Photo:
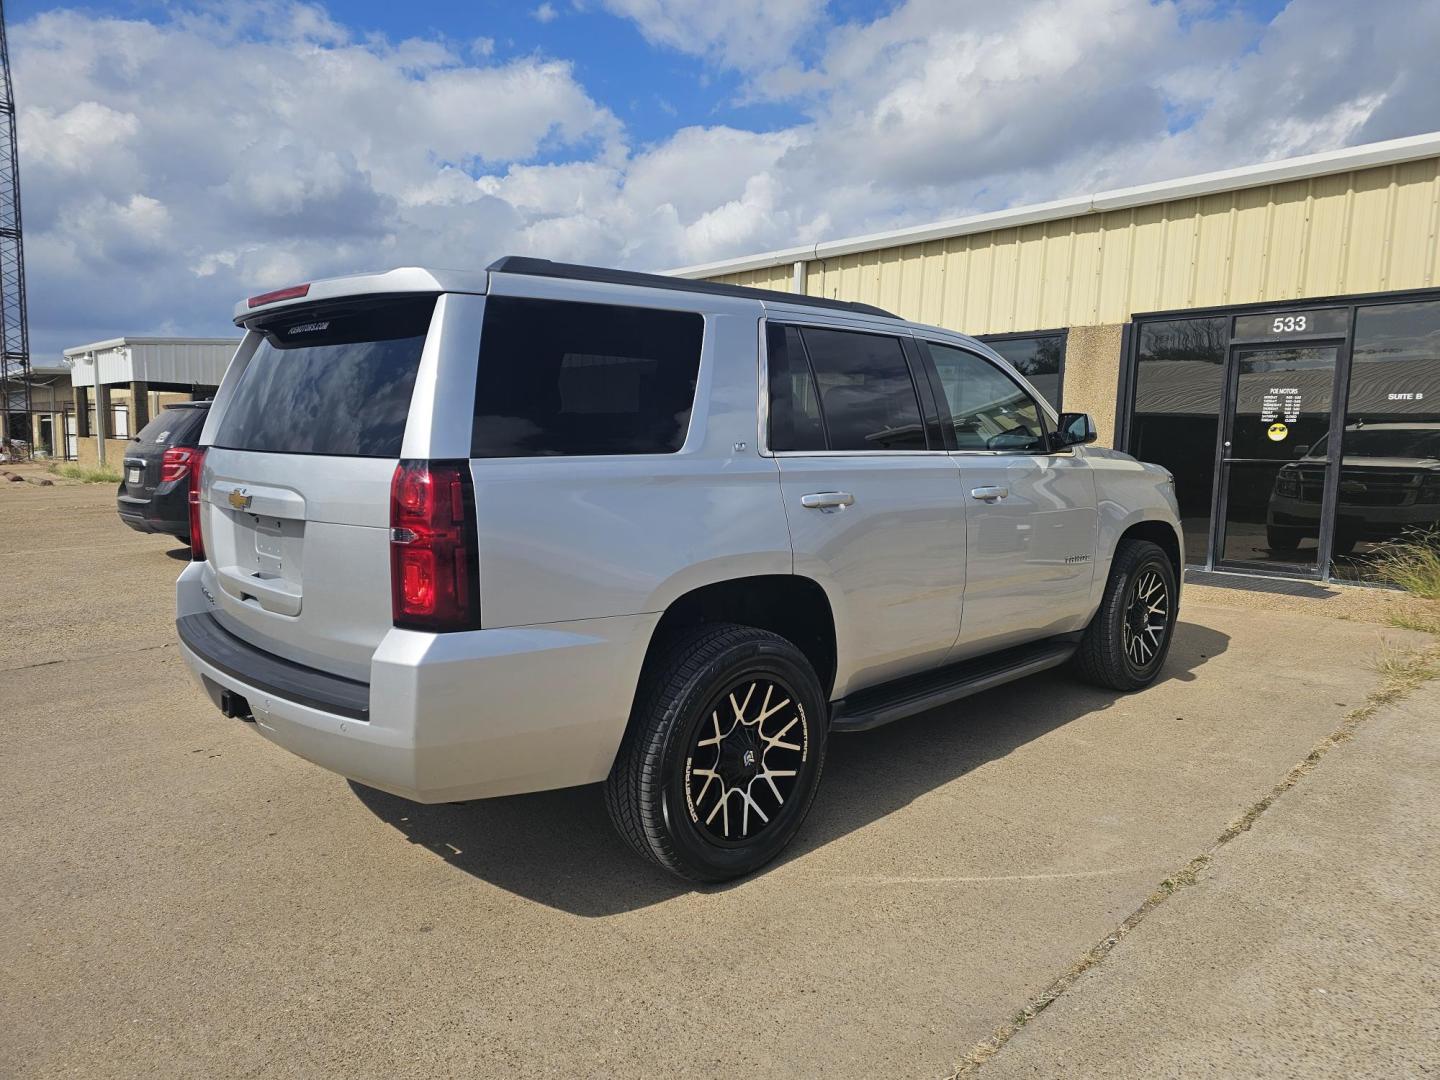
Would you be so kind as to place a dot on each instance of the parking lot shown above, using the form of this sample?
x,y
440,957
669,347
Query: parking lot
x,y
182,898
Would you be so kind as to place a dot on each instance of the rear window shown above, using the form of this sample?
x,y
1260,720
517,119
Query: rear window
x,y
564,378
330,380
173,427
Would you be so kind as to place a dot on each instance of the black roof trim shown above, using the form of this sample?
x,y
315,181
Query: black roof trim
x,y
521,264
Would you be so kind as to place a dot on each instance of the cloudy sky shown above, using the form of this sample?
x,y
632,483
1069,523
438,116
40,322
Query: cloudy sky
x,y
177,156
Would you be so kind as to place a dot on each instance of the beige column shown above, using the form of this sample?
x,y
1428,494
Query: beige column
x,y
1092,375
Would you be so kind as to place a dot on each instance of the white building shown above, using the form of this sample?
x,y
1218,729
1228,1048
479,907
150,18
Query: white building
x,y
118,385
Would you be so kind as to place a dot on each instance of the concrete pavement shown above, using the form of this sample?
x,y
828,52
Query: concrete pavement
x,y
183,898
1310,946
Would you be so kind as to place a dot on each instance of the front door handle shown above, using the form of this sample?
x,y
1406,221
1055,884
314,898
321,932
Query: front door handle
x,y
990,494
827,500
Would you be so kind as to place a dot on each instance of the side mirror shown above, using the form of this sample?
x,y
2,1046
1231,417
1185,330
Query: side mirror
x,y
1073,429
1012,440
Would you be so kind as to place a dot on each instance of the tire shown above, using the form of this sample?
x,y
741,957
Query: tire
x,y
1279,538
1115,653
674,792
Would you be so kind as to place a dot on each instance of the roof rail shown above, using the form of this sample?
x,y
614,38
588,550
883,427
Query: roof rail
x,y
521,264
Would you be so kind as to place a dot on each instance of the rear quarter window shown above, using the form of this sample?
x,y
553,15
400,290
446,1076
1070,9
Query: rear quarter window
x,y
330,380
566,378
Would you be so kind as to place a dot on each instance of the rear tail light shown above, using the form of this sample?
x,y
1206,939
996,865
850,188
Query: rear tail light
x,y
434,579
197,538
294,292
176,463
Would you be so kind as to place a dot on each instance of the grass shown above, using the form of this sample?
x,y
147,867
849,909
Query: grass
x,y
1423,621
86,474
1402,671
1413,563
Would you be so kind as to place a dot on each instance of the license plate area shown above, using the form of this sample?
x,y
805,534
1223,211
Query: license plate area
x,y
134,475
270,546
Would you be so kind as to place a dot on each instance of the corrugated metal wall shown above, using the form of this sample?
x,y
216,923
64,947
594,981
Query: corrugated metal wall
x,y
770,277
186,362
199,363
1371,230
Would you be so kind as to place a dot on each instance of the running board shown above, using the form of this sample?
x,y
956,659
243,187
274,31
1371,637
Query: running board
x,y
896,700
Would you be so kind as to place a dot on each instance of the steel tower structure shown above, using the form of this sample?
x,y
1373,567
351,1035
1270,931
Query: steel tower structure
x,y
14,334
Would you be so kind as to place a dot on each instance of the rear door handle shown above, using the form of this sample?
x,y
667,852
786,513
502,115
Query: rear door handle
x,y
990,494
827,500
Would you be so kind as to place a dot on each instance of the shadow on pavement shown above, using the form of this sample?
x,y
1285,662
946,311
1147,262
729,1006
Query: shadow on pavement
x,y
557,847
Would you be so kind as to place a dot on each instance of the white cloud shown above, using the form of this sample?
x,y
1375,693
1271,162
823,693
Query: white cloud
x,y
545,13
170,168
744,34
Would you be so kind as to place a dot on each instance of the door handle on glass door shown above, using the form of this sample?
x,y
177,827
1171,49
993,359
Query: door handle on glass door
x,y
990,494
827,500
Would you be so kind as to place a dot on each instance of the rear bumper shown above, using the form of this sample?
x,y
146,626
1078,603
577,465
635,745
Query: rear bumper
x,y
165,511
446,717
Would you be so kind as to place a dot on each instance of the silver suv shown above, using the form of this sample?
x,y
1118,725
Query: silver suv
x,y
460,535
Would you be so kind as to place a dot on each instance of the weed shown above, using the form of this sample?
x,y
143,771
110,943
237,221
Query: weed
x,y
1405,669
1425,621
1412,562
86,474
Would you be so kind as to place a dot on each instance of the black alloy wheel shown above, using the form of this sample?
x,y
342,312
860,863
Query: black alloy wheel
x,y
746,761
1126,643
723,755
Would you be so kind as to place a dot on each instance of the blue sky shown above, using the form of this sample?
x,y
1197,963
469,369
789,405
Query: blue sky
x,y
175,156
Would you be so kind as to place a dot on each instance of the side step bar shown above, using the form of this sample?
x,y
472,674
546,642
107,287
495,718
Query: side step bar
x,y
877,705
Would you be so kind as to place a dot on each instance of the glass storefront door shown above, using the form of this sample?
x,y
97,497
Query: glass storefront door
x,y
1276,457
1304,441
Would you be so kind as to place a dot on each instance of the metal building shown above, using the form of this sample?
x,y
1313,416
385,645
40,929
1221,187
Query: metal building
x,y
118,385
1271,334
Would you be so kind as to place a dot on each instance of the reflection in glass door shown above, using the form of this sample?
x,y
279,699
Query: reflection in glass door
x,y
1276,457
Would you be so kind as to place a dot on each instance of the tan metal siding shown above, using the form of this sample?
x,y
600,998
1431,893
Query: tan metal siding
x,y
1371,230
773,277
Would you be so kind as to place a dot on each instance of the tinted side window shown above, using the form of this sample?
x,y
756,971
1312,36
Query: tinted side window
x,y
558,378
794,401
989,409
330,380
866,394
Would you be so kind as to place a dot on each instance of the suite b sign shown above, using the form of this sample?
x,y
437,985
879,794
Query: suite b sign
x,y
1317,322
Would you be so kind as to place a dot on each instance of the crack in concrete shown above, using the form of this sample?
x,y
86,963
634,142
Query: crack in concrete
x,y
87,659
1396,686
985,879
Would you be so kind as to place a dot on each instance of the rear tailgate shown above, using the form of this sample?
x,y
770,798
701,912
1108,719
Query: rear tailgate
x,y
144,453
296,492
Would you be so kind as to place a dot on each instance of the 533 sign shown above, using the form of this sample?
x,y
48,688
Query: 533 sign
x,y
1317,322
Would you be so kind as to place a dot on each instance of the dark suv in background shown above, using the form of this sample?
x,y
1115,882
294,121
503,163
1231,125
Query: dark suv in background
x,y
154,494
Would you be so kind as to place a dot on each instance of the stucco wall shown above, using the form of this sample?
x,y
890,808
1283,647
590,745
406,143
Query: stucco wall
x,y
1092,374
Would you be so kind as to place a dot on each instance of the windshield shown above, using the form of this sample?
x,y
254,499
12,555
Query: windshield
x,y
1393,442
330,380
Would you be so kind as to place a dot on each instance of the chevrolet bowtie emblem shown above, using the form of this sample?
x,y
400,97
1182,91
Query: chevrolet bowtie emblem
x,y
239,499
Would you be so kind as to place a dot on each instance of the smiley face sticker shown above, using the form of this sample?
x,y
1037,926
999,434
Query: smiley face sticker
x,y
1277,432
